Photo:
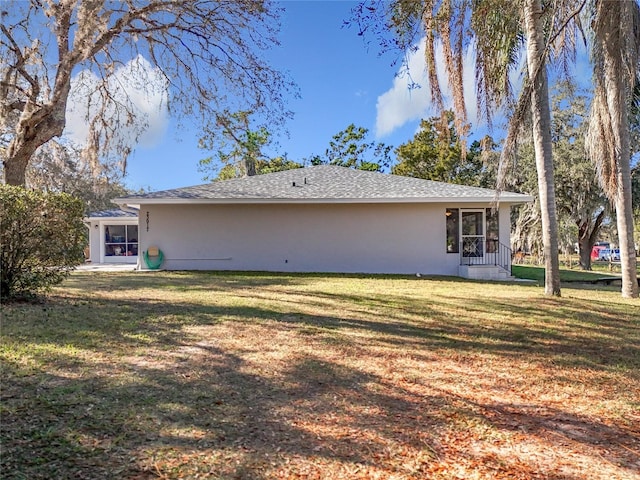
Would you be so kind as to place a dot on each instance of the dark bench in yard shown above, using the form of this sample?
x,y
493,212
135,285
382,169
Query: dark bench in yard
x,y
605,280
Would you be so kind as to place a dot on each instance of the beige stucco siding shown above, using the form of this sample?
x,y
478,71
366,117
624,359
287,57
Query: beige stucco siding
x,y
363,238
94,241
504,224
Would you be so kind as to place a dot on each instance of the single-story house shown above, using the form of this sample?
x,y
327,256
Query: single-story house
x,y
113,236
327,219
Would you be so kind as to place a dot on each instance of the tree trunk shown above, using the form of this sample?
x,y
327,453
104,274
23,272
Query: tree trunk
x,y
584,249
624,217
249,166
541,116
33,132
587,239
15,169
617,95
38,124
624,209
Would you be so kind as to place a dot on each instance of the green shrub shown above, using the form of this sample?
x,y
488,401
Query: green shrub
x,y
42,238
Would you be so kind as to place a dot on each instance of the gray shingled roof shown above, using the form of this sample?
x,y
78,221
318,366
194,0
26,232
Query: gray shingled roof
x,y
326,183
115,213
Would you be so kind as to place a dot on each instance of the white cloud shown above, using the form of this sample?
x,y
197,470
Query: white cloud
x,y
137,85
401,104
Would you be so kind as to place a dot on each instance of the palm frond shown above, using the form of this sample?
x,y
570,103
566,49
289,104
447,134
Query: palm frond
x,y
616,66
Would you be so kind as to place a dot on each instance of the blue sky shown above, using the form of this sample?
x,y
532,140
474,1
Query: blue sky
x,y
340,79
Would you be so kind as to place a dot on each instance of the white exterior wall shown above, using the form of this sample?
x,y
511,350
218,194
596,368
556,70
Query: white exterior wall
x,y
504,224
350,238
94,242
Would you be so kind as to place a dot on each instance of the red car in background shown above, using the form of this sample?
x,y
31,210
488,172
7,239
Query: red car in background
x,y
595,251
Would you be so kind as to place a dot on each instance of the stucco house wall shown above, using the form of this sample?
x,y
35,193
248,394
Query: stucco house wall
x,y
94,241
354,238
326,218
504,224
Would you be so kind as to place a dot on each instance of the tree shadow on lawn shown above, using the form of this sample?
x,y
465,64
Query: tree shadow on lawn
x,y
576,332
207,416
202,412
616,444
573,332
570,334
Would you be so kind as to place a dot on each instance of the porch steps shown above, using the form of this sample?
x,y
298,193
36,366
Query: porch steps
x,y
484,272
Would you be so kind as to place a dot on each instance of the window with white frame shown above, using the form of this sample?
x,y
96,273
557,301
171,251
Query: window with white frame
x,y
120,240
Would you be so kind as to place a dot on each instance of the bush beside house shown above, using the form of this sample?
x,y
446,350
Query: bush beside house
x,y
42,237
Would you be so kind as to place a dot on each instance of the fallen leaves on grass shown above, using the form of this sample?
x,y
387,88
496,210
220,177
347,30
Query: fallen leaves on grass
x,y
292,377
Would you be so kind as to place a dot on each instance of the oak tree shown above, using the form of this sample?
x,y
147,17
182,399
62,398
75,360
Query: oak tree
x,y
435,153
61,168
238,146
351,148
206,56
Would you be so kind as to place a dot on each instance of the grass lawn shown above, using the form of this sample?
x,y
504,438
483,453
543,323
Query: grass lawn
x,y
536,273
571,272
258,376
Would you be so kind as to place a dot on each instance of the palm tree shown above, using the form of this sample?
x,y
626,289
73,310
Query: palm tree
x,y
498,29
616,58
541,124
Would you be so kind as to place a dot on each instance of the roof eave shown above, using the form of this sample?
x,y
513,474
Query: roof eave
x,y
98,219
136,202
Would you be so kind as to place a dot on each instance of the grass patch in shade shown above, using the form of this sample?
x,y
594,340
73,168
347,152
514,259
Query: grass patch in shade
x,y
260,376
